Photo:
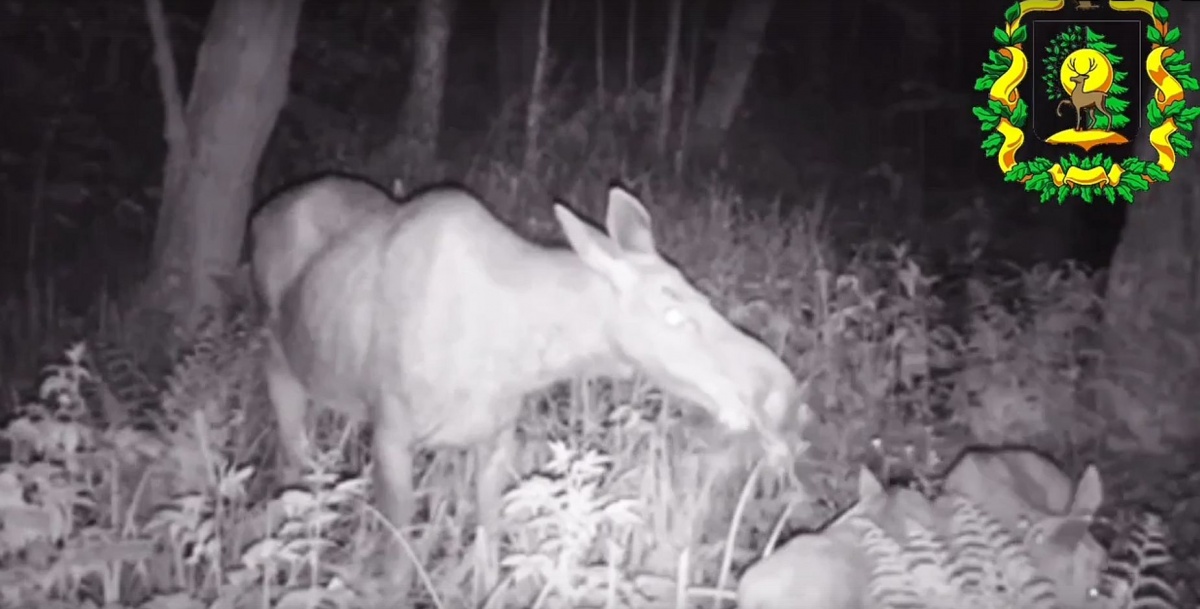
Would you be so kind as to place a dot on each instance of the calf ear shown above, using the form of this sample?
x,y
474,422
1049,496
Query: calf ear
x,y
868,485
1089,494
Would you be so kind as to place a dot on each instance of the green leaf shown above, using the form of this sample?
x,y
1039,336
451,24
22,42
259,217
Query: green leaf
x,y
1136,183
998,58
1020,114
1151,34
1153,114
1124,192
1119,121
1045,193
1160,12
1013,12
994,70
1001,38
1064,191
1116,90
1172,37
1109,193
1156,173
992,143
1174,108
1188,116
1179,69
1019,35
983,83
1188,83
1117,105
1086,193
1182,145
983,113
1175,58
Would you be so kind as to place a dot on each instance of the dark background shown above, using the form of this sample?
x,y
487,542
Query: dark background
x,y
843,96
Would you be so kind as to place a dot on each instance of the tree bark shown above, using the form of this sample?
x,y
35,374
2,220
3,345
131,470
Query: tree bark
x,y
536,108
732,66
214,147
1153,295
412,152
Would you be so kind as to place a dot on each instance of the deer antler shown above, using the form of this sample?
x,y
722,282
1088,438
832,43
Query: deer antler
x,y
1091,67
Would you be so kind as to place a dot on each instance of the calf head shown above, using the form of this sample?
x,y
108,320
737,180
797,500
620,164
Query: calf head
x,y
1062,546
661,324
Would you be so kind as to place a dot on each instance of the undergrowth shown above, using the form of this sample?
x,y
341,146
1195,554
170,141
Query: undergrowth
x,y
623,502
625,498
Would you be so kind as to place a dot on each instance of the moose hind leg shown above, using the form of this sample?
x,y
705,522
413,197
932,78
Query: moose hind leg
x,y
394,497
494,470
290,401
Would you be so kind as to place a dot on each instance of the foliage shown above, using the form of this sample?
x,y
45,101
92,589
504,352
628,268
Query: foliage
x,y
627,485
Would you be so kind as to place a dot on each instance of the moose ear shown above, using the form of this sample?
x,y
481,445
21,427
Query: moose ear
x,y
593,246
1089,494
628,222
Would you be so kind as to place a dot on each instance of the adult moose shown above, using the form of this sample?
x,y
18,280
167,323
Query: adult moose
x,y
1089,101
432,320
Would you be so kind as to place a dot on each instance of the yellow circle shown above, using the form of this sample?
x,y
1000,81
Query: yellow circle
x,y
1086,61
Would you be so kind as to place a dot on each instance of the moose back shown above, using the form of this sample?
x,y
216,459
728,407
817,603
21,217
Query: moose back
x,y
432,320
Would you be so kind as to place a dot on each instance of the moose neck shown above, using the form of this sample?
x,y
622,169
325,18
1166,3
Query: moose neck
x,y
569,319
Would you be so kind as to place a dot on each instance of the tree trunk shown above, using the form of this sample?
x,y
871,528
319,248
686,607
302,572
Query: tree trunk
x,y
536,109
666,94
214,147
1153,295
732,66
412,152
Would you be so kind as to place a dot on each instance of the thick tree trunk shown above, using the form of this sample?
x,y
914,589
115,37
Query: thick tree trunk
x,y
1153,297
726,84
411,155
215,145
